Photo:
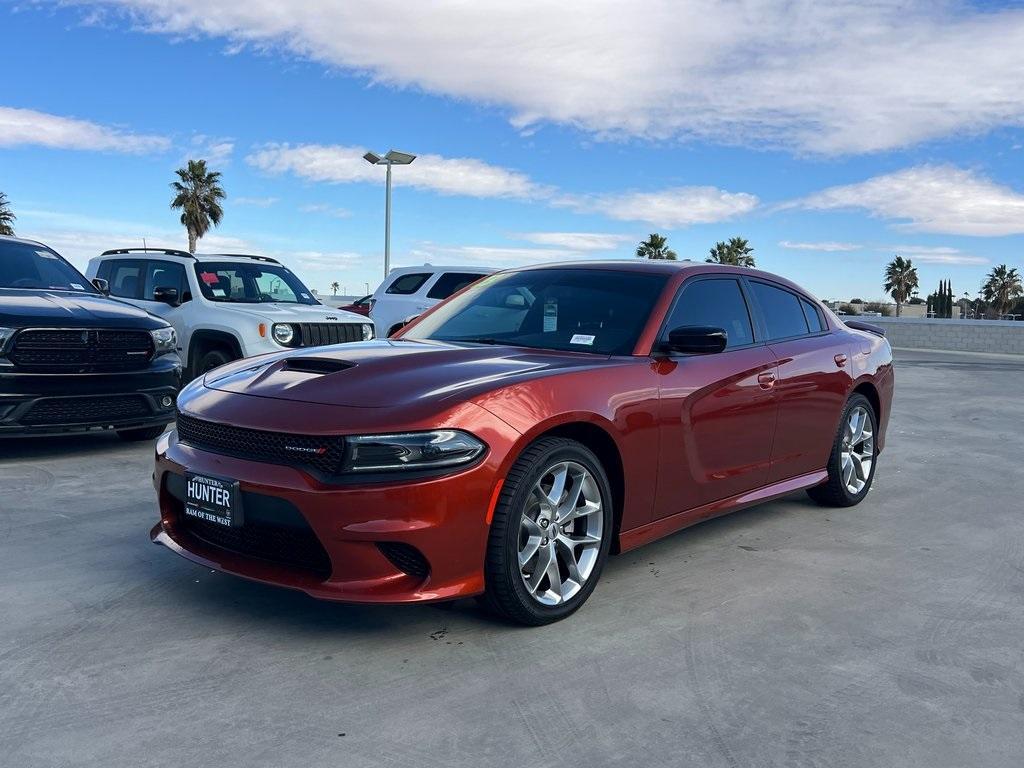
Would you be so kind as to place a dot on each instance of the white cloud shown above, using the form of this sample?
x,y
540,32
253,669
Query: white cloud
x,y
215,151
327,210
827,246
829,77
25,127
930,198
930,254
669,208
255,202
576,241
446,175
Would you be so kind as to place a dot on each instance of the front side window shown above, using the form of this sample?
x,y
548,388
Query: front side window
x,y
30,266
125,278
243,283
718,303
163,274
580,310
451,282
783,315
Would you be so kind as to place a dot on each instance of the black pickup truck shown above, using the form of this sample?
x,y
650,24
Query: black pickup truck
x,y
72,359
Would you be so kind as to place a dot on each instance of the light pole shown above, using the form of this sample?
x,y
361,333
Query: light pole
x,y
393,157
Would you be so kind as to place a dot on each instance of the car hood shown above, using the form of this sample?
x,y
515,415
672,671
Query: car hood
x,y
384,374
299,313
65,309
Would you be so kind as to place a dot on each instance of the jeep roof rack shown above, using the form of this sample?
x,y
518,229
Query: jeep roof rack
x,y
164,251
246,256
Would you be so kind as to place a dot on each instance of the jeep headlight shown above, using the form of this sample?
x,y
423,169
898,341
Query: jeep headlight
x,y
283,334
367,332
411,451
165,341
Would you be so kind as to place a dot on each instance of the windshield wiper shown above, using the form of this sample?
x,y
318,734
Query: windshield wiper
x,y
482,340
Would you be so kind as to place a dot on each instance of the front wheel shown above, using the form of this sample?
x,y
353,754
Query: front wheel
x,y
551,533
851,466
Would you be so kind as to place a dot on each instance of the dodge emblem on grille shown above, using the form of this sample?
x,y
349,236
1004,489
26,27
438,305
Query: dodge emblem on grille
x,y
306,449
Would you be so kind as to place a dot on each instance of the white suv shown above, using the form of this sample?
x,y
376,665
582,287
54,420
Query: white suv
x,y
225,306
410,291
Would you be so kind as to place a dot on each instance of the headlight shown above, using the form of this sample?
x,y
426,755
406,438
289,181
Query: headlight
x,y
411,451
165,340
367,332
283,334
7,333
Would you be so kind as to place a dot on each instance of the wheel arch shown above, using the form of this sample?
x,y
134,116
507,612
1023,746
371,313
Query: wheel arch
x,y
870,391
598,439
205,338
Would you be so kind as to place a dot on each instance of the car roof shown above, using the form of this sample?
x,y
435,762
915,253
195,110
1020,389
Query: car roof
x,y
442,268
23,241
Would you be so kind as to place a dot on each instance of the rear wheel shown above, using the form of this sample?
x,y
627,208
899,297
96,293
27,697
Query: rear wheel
x,y
851,466
143,433
550,535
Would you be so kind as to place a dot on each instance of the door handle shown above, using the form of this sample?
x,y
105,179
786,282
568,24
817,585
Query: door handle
x,y
766,380
840,360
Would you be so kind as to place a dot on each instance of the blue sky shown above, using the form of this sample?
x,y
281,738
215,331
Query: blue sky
x,y
829,135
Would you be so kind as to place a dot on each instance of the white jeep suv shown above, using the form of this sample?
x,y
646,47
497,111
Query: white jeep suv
x,y
410,291
225,306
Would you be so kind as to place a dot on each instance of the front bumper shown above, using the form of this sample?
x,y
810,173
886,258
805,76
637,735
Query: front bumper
x,y
41,404
337,542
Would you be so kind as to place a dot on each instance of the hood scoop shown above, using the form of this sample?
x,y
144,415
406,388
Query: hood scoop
x,y
316,365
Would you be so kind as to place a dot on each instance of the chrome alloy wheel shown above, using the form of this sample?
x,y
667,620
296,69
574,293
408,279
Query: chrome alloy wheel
x,y
858,451
560,533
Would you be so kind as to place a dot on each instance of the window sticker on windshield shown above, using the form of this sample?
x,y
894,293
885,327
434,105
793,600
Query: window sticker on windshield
x,y
219,292
582,338
209,277
77,287
550,316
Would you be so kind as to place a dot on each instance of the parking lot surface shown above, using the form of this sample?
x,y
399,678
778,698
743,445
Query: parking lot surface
x,y
890,634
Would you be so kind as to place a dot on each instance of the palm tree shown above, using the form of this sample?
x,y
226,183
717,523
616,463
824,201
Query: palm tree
x,y
7,216
900,280
736,251
1001,287
654,247
335,287
198,195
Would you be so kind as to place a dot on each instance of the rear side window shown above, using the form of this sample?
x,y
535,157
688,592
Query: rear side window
x,y
125,279
406,284
783,315
718,303
449,283
812,316
163,274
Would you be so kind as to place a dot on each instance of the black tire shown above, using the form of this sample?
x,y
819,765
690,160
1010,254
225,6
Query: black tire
x,y
506,594
833,492
212,358
143,433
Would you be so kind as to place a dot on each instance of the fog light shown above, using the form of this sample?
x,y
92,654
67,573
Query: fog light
x,y
166,401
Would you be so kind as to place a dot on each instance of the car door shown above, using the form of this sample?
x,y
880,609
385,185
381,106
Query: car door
x,y
447,284
813,379
716,411
399,300
156,273
124,277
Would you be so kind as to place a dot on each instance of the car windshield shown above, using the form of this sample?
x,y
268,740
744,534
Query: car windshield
x,y
582,310
31,266
257,283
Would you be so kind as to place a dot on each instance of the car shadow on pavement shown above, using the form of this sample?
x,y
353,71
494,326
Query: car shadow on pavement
x,y
61,446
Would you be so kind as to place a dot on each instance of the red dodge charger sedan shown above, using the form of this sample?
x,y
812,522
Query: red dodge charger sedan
x,y
507,441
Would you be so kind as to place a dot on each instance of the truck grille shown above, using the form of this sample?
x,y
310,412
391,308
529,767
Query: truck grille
x,y
43,350
317,334
87,410
323,454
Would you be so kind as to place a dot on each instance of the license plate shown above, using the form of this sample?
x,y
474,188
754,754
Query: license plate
x,y
213,499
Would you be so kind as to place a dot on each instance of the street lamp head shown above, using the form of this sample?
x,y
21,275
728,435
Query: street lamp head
x,y
399,158
372,157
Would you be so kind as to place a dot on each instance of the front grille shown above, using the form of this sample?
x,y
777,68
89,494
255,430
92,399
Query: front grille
x,y
43,350
323,454
293,547
87,410
317,334
405,558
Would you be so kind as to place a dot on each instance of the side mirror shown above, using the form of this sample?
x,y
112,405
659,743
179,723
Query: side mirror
x,y
399,326
696,340
101,285
166,295
515,301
